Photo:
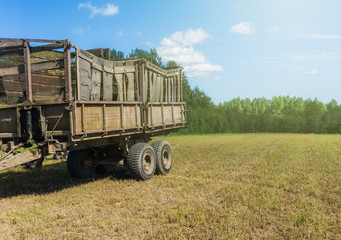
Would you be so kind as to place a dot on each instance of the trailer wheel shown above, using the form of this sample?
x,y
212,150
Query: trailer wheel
x,y
163,156
141,161
79,163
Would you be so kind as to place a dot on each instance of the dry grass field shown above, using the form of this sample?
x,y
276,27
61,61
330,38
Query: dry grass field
x,y
237,186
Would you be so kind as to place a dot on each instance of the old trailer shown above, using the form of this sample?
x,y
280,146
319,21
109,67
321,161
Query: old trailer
x,y
56,97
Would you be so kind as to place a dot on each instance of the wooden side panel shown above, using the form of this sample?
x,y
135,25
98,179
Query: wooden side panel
x,y
119,81
129,117
130,90
113,117
107,86
93,118
177,114
108,78
79,119
167,113
96,78
155,114
85,79
8,120
145,85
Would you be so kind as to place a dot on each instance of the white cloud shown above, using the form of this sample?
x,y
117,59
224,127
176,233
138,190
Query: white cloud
x,y
274,29
179,47
187,38
243,28
108,10
312,72
138,33
202,69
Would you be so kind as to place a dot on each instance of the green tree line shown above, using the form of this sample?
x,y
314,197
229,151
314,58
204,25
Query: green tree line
x,y
281,114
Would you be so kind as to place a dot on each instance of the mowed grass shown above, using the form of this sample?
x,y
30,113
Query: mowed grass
x,y
233,186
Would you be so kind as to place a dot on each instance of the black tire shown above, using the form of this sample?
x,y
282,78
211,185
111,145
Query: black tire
x,y
163,156
79,163
141,161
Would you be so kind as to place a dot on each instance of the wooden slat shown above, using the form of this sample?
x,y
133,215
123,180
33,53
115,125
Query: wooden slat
x,y
12,86
95,85
97,52
15,58
9,44
19,159
130,89
34,68
47,55
46,47
107,86
11,98
119,80
84,79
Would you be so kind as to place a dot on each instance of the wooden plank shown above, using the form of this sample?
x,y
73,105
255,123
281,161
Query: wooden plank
x,y
34,68
47,55
141,82
113,117
107,86
11,98
12,52
19,159
32,40
13,58
8,64
46,47
118,67
10,44
119,80
47,79
85,79
160,81
96,79
8,120
97,63
129,116
168,119
145,85
130,89
12,86
129,66
108,66
98,52
85,55
157,115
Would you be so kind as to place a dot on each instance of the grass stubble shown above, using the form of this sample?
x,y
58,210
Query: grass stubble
x,y
229,186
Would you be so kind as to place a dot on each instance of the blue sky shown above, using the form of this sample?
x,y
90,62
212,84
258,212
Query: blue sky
x,y
229,48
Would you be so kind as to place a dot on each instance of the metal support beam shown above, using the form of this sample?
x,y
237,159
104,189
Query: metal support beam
x,y
28,75
67,69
